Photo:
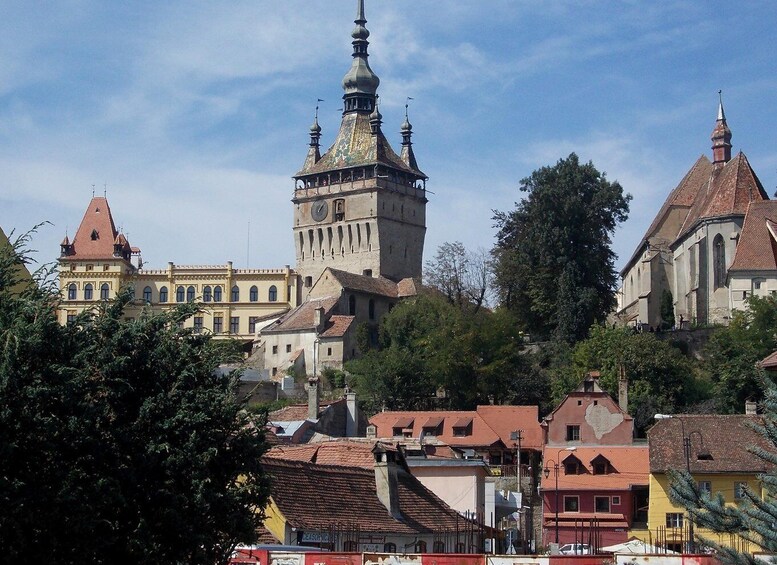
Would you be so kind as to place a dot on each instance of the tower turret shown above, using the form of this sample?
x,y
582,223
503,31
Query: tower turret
x,y
407,154
360,83
721,137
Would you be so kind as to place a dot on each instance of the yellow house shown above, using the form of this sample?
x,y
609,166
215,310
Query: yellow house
x,y
714,448
100,261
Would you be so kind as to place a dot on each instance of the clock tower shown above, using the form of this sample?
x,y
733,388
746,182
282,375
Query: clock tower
x,y
360,207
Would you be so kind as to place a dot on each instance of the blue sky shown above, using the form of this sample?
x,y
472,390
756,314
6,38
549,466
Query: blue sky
x,y
196,114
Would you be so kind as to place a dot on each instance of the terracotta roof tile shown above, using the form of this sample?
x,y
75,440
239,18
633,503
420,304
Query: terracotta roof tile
x,y
770,362
757,247
490,425
96,234
302,317
362,283
343,453
354,489
629,463
337,326
725,438
297,412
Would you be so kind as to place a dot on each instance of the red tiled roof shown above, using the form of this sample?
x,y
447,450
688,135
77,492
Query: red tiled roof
x,y
726,439
343,453
362,283
770,362
97,232
629,467
490,425
350,496
337,326
302,317
757,247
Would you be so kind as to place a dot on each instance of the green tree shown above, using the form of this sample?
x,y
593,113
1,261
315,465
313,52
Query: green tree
x,y
667,310
117,439
732,353
464,277
554,266
751,519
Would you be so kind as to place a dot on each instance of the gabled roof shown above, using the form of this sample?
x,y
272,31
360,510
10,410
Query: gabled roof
x,y
491,425
302,317
97,233
757,247
725,439
363,283
337,326
356,146
629,464
769,362
728,191
353,489
342,453
297,412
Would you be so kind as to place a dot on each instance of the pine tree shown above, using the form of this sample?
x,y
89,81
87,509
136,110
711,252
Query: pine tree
x,y
754,518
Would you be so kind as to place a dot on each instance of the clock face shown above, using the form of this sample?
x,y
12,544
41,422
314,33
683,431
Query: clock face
x,y
318,210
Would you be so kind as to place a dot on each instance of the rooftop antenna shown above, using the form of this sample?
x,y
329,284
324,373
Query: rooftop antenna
x,y
105,190
318,100
92,190
407,103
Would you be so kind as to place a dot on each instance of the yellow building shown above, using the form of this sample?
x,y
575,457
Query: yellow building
x,y
99,262
715,450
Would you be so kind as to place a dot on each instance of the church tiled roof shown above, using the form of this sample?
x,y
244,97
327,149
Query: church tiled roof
x,y
303,316
757,247
97,233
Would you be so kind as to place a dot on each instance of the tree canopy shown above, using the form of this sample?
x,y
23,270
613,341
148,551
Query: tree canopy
x,y
554,266
464,277
117,438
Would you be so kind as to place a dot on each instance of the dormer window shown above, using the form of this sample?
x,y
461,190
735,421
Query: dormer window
x,y
601,465
403,427
573,466
433,427
95,235
462,427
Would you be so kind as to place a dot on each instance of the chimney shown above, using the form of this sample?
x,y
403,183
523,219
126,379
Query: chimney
x,y
750,408
386,483
351,417
372,431
313,398
318,319
623,389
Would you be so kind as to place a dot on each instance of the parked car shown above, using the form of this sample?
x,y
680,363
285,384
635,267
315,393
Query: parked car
x,y
575,549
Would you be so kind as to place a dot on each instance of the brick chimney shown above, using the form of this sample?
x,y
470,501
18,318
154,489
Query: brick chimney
x,y
386,482
313,398
750,408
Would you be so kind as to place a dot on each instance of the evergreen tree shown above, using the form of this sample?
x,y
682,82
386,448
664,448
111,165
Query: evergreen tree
x,y
753,518
118,442
553,263
667,310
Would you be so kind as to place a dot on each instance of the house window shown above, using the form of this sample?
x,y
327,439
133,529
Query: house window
x,y
207,294
71,316
616,500
104,291
273,294
420,546
72,289
571,468
275,350
147,294
190,294
461,431
308,282
274,371
89,267
389,547
288,348
218,324
371,307
235,294
163,294
573,433
197,324
705,486
739,490
571,504
438,547
674,520
600,468
253,294
106,267
216,294
252,321
180,294
352,305
601,503
234,325
329,351
88,289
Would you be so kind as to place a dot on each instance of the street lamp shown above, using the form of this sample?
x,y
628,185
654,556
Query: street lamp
x,y
687,452
546,472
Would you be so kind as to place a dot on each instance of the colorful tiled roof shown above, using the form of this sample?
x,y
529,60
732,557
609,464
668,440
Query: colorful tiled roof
x,y
722,441
350,496
629,466
491,425
97,233
356,146
757,247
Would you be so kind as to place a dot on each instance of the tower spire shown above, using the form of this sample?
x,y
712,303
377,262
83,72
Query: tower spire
x,y
314,151
360,83
407,154
721,136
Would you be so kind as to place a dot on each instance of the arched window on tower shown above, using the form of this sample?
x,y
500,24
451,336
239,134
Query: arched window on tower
x,y
273,294
88,290
719,260
207,294
253,294
352,305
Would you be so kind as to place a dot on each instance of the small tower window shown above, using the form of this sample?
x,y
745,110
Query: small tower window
x,y
95,235
104,291
88,289
339,209
253,294
273,294
207,294
163,294
235,294
216,294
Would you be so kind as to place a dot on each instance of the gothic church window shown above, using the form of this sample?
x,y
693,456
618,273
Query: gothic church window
x,y
147,295
216,294
71,291
273,294
190,294
88,289
207,294
235,294
180,294
104,290
253,294
163,294
719,260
